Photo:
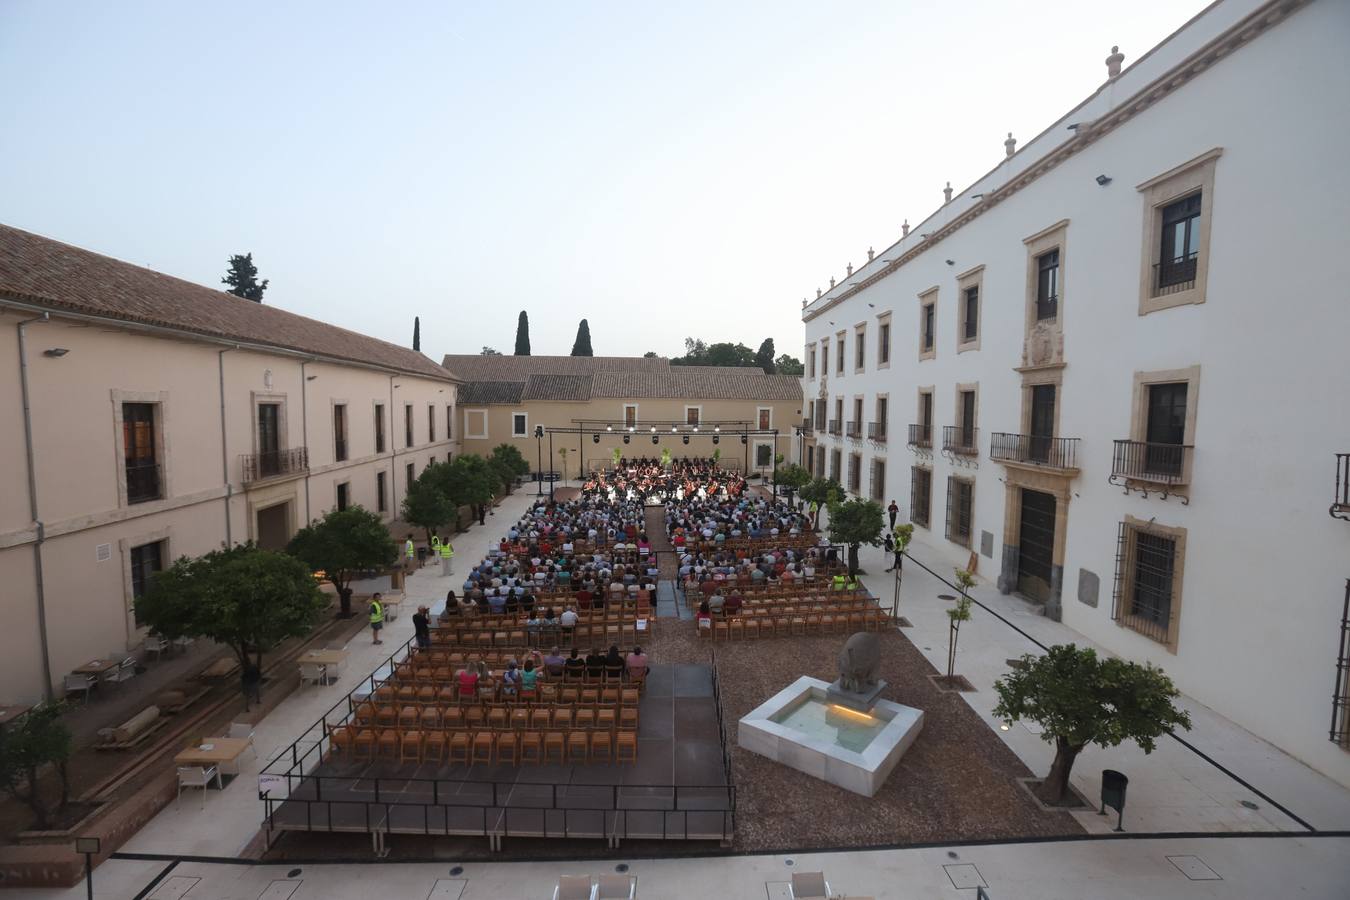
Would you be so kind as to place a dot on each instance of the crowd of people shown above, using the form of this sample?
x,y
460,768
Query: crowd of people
x,y
648,481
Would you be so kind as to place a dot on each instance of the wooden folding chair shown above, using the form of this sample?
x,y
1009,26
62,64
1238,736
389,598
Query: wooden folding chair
x,y
482,748
433,747
410,747
626,746
459,748
508,748
555,747
577,746
601,746
531,748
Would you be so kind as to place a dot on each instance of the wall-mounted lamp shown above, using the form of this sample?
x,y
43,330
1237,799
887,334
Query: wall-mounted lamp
x,y
672,429
744,439
717,428
630,429
539,431
1103,180
653,429
55,352
950,262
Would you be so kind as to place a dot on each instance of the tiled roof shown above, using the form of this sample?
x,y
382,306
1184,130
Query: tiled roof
x,y
54,275
474,367
557,387
698,383
485,393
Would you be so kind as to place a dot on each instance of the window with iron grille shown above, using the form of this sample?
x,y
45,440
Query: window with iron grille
x,y
1180,242
1047,285
920,495
763,456
140,448
855,473
1146,588
1340,700
146,560
960,506
878,478
381,502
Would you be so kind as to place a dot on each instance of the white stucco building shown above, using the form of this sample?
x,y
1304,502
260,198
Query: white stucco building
x,y
1113,368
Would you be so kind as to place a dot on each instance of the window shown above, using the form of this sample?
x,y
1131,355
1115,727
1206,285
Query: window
x,y
1042,433
411,471
476,423
878,429
821,412
859,348
824,357
692,414
339,431
839,347
1177,217
884,343
836,459
929,326
381,501
970,323
878,479
1162,429
139,451
960,507
837,425
763,456
855,425
146,560
520,425
855,473
449,422
920,495
269,440
630,412
1148,579
1340,700
431,424
408,425
1165,427
925,435
1047,285
811,363
343,495
966,419
379,427
764,415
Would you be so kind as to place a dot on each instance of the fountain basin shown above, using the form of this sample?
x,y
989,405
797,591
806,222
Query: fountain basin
x,y
802,727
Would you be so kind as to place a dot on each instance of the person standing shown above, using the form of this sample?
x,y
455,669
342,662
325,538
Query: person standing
x,y
376,617
409,553
448,558
893,510
422,627
890,548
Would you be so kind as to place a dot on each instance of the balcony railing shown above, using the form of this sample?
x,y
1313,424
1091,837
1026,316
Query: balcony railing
x,y
921,435
961,440
1173,275
1157,463
275,464
808,428
876,431
1340,500
834,427
854,429
1034,449
144,481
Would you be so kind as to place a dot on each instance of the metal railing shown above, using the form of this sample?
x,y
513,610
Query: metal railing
x,y
854,429
144,482
1340,499
275,464
961,440
876,431
1034,449
808,427
834,427
1174,275
1156,463
921,435
1340,695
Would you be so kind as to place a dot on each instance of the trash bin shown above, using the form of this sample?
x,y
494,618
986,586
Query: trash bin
x,y
1114,785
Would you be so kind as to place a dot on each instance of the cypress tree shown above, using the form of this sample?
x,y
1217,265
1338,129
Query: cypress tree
x,y
523,334
417,333
582,347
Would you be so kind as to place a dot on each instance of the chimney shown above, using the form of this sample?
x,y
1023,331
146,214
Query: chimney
x,y
850,271
1010,145
870,254
1113,63
818,293
904,229
831,282
947,193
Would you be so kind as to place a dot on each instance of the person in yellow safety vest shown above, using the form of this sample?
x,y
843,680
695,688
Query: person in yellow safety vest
x,y
376,616
852,584
837,582
410,551
447,551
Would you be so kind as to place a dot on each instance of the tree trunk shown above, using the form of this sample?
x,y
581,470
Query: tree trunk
x,y
852,560
34,801
344,602
1055,788
952,632
63,772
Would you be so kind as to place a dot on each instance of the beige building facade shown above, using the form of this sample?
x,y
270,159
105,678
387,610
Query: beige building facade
x,y
504,398
151,418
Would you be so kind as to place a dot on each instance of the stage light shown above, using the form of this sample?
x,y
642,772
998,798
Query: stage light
x,y
595,438
717,428
609,427
656,439
630,429
672,429
539,431
716,439
685,439
653,429
625,438
744,439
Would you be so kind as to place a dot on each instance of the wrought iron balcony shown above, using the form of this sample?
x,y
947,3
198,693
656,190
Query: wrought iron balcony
x,y
1340,500
854,429
1034,450
1173,275
876,431
921,436
1165,464
960,440
275,464
834,427
808,428
144,481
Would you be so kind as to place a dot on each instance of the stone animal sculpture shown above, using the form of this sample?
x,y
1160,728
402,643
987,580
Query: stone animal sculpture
x,y
859,661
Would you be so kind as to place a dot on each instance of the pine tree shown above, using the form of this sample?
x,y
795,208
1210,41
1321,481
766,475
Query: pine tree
x,y
243,278
582,347
417,333
523,334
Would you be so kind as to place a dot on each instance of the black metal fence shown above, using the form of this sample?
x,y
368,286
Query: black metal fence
x,y
1174,275
876,431
275,463
961,440
1340,695
1156,463
921,435
1340,499
1052,452
144,481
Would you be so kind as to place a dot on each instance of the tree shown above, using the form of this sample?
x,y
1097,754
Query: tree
x,y
508,464
417,333
822,492
523,334
562,452
582,345
427,503
955,616
342,544
794,477
244,597
36,739
650,354
1079,699
472,483
698,353
243,278
764,356
616,455
789,365
856,522
488,351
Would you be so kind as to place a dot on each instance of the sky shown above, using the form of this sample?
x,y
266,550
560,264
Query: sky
x,y
662,170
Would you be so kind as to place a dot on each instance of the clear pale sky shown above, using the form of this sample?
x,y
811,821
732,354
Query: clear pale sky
x,y
663,170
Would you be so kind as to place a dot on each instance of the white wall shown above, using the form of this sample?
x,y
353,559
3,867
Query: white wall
x,y
1265,565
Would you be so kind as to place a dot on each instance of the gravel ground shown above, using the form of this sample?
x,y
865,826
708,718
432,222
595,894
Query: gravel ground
x,y
956,782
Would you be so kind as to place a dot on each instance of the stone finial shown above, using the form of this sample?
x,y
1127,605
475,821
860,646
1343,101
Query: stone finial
x,y
947,193
1113,62
803,303
832,283
1010,145
850,270
870,254
904,229
818,293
